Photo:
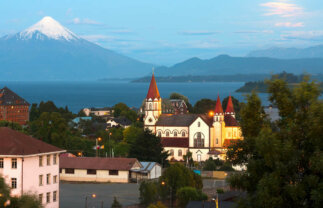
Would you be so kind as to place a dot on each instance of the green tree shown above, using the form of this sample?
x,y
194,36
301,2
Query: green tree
x,y
12,125
131,133
148,192
148,147
284,159
116,203
186,194
159,204
204,106
25,201
4,192
211,164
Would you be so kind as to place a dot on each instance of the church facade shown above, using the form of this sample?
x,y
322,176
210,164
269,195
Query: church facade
x,y
203,135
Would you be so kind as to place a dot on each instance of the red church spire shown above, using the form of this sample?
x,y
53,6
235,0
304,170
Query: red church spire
x,y
230,108
218,107
153,89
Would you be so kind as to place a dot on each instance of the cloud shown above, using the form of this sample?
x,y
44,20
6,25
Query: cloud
x,y
289,24
85,21
98,38
303,35
254,31
282,9
198,33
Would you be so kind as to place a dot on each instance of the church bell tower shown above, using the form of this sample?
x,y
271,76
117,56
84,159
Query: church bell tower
x,y
152,105
218,124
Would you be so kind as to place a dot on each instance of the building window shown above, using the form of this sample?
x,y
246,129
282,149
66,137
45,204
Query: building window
x,y
14,163
150,106
40,161
159,134
40,198
48,197
172,152
113,172
48,178
55,159
48,159
60,170
167,134
13,183
155,106
91,172
199,140
175,134
217,141
40,180
234,134
69,171
180,153
198,124
229,134
183,134
54,196
1,162
55,179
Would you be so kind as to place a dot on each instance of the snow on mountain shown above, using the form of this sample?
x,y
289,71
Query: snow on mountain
x,y
48,28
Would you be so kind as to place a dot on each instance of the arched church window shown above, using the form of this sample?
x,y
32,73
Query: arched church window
x,y
159,134
217,141
180,153
175,134
167,133
183,134
199,140
171,152
150,106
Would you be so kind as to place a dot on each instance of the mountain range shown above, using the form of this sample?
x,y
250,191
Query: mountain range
x,y
227,65
49,51
289,53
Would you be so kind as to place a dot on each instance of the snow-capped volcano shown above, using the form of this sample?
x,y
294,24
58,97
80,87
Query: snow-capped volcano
x,y
48,28
49,51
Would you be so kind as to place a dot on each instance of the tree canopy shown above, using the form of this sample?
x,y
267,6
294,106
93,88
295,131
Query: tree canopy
x,y
284,159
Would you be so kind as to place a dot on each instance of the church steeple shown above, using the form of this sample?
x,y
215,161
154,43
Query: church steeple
x,y
230,108
218,107
153,92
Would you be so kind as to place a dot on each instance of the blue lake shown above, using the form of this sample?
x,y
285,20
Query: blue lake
x,y
78,95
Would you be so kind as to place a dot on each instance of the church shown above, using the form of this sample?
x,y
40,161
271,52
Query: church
x,y
203,135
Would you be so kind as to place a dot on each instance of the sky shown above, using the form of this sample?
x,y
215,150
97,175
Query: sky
x,y
165,32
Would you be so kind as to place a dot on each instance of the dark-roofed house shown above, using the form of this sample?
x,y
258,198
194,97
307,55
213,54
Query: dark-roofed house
x,y
13,108
97,169
203,135
30,165
120,121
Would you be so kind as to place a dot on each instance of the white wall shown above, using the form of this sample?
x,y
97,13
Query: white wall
x,y
171,130
204,129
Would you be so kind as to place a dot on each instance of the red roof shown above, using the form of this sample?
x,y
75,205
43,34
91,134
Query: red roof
x,y
97,163
230,108
16,143
174,142
228,142
218,106
153,89
230,121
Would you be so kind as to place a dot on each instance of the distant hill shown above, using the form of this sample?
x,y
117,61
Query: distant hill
x,y
49,51
289,53
227,65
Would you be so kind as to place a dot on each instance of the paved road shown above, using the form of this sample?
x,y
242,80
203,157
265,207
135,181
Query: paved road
x,y
73,195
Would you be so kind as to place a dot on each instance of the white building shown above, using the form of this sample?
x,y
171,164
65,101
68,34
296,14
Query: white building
x,y
203,135
29,165
98,111
149,170
97,169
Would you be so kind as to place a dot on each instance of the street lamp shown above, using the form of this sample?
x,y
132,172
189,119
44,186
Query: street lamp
x,y
163,183
96,145
92,195
110,133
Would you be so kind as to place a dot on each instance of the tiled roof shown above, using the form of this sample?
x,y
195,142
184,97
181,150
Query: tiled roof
x,y
122,121
214,152
97,163
153,89
174,142
230,121
228,142
16,143
230,108
176,120
218,106
8,97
